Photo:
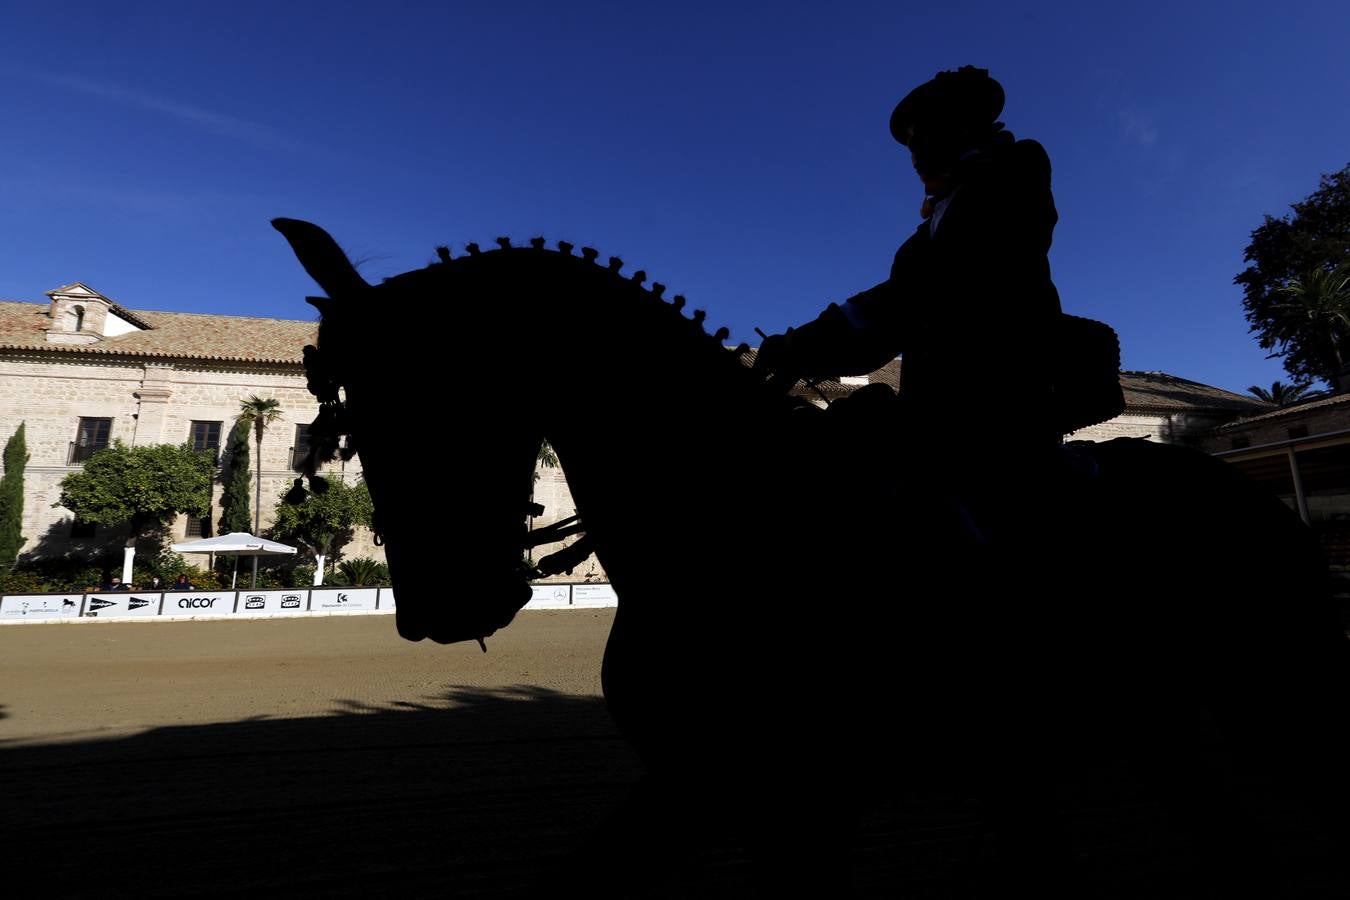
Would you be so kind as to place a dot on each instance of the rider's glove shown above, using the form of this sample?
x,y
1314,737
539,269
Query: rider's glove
x,y
819,349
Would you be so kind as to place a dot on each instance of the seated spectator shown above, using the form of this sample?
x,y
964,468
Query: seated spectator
x,y
182,584
115,584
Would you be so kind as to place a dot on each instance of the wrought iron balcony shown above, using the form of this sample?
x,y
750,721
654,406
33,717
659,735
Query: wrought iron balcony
x,y
78,453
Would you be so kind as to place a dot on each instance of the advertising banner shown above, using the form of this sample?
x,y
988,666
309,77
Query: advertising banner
x,y
288,602
199,603
342,599
122,605
387,599
40,606
550,596
593,595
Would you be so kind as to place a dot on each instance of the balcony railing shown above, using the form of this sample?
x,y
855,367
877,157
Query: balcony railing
x,y
80,452
298,455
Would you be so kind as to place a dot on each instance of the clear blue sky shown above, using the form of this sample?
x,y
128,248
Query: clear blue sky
x,y
736,151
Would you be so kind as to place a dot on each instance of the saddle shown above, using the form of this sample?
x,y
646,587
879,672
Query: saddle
x,y
1084,374
870,424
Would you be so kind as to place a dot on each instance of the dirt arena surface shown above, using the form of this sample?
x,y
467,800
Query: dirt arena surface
x,y
101,680
327,757
314,757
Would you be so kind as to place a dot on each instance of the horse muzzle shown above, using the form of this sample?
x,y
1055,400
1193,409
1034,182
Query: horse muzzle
x,y
471,613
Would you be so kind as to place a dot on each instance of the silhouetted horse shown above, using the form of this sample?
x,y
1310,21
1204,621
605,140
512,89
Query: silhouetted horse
x,y
795,618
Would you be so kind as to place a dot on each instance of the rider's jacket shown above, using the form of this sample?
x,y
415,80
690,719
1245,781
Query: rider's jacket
x,y
969,304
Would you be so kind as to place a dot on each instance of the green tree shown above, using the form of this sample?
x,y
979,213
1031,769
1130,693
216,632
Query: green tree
x,y
1287,253
234,512
1315,314
547,458
259,413
11,499
1280,394
145,487
326,520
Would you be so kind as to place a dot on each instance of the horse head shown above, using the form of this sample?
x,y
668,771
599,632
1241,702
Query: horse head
x,y
401,399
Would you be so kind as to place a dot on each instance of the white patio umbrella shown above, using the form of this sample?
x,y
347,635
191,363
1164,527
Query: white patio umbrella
x,y
238,543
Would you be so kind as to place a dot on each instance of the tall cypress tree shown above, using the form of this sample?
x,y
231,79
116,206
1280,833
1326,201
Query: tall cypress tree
x,y
234,509
11,499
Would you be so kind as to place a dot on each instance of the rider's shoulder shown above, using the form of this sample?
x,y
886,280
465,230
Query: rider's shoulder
x,y
1030,153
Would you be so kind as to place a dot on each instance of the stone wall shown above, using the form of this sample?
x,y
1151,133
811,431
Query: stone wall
x,y
149,402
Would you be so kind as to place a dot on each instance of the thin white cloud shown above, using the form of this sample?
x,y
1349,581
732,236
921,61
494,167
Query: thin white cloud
x,y
1138,127
70,189
258,135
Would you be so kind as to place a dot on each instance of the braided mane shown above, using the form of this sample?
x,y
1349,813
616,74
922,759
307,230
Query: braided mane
x,y
332,433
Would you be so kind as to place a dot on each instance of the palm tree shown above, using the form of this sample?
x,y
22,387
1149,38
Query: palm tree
x,y
260,413
1317,312
548,459
1280,394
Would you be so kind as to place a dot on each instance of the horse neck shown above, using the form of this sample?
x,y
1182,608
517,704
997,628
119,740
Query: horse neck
x,y
640,395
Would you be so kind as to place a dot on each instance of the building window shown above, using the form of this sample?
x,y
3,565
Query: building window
x,y
1241,443
1298,431
198,526
206,436
81,529
92,437
79,318
301,448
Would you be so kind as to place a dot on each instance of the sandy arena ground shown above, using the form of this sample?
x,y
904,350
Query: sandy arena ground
x,y
314,757
327,757
97,681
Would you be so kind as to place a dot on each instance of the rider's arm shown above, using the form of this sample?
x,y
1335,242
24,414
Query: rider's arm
x,y
845,339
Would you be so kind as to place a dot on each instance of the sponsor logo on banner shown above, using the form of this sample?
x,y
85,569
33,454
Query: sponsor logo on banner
x,y
594,595
255,602
549,596
343,600
200,605
39,606
121,605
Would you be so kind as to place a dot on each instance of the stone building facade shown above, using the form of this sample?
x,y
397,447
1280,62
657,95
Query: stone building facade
x,y
1301,452
82,372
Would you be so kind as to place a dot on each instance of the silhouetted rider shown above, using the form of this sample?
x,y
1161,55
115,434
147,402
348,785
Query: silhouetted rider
x,y
969,303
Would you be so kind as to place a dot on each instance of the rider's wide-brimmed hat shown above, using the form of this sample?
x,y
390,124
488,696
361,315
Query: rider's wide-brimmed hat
x,y
966,96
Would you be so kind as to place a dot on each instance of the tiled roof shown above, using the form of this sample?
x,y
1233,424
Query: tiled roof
x,y
1160,391
170,334
1293,410
888,374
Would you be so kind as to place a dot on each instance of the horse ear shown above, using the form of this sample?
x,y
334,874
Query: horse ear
x,y
322,258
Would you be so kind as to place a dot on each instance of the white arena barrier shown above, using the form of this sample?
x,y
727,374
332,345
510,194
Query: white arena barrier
x,y
104,606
